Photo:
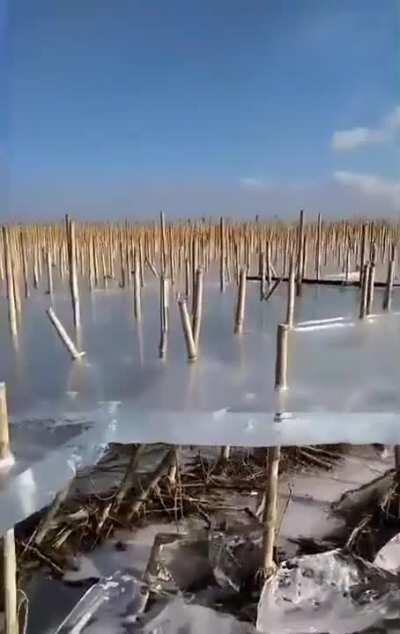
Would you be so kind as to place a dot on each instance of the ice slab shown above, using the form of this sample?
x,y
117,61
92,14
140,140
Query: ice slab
x,y
102,606
388,557
328,592
179,616
44,463
112,604
76,442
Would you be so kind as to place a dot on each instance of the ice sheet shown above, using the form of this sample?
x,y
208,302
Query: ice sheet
x,y
41,471
328,592
338,369
32,485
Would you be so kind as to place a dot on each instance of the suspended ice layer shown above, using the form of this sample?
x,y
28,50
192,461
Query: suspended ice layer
x,y
49,452
336,362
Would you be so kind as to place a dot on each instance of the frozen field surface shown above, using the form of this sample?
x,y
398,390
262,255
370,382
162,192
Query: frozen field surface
x,y
352,366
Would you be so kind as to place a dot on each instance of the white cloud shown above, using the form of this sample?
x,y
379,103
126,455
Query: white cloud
x,y
356,137
345,140
371,185
252,183
393,119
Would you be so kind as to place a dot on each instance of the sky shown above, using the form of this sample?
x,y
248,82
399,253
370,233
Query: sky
x,y
126,107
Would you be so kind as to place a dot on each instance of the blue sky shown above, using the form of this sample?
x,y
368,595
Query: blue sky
x,y
125,107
